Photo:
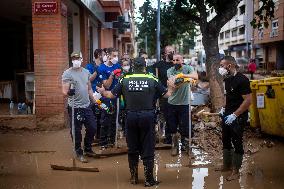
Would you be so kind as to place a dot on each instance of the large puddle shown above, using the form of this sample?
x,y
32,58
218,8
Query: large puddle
x,y
19,169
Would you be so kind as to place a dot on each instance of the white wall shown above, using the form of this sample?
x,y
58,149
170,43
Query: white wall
x,y
74,8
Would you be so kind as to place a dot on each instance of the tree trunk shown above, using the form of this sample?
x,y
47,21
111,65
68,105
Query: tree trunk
x,y
210,42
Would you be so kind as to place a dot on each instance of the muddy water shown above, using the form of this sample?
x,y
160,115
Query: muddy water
x,y
20,169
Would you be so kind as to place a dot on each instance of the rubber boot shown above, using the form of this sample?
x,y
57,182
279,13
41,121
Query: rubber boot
x,y
134,174
174,145
148,172
184,144
133,160
227,161
237,164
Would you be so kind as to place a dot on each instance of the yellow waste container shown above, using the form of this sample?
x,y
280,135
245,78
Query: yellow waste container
x,y
254,118
270,105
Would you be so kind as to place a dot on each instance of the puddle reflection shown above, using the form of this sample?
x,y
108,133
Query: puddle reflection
x,y
199,175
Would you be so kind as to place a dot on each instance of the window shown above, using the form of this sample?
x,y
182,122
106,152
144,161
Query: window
x,y
227,34
274,28
274,24
221,35
235,32
242,9
242,30
260,33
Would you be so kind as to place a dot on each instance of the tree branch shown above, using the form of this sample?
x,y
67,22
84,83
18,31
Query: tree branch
x,y
188,15
228,11
201,7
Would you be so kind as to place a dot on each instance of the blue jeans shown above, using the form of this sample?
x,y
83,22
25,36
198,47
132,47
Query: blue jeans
x,y
83,116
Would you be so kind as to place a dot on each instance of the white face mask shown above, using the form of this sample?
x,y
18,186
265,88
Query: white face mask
x,y
76,63
223,71
147,62
114,60
105,58
126,68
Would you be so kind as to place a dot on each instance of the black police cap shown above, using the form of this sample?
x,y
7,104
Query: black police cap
x,y
139,62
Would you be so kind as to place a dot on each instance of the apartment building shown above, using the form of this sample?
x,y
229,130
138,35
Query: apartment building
x,y
269,42
235,37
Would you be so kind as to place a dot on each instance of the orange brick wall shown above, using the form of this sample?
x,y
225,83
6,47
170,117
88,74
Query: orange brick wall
x,y
279,14
50,41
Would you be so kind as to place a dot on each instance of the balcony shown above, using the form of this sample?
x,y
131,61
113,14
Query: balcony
x,y
112,6
111,3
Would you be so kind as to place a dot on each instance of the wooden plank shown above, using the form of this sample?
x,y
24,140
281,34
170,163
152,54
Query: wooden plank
x,y
66,168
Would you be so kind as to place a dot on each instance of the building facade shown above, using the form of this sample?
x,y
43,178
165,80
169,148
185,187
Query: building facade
x,y
235,36
269,42
38,37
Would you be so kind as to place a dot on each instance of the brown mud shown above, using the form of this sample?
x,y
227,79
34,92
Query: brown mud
x,y
25,158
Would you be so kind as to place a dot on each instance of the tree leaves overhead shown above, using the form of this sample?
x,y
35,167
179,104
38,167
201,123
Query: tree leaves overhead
x,y
174,28
263,14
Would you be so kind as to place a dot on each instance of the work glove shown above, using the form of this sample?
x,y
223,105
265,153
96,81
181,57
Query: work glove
x,y
116,73
97,95
180,75
230,119
222,111
71,92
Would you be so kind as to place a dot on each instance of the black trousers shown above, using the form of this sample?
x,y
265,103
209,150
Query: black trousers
x,y
164,109
178,118
232,135
140,135
83,116
97,113
108,128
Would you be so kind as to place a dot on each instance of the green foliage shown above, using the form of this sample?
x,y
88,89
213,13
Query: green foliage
x,y
174,27
263,14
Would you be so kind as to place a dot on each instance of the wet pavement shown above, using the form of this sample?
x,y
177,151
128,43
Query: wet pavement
x,y
25,159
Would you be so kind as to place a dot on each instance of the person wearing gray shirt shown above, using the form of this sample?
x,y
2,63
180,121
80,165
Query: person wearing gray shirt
x,y
81,93
178,103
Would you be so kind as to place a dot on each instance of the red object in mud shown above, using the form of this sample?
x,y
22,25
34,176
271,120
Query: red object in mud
x,y
117,72
252,67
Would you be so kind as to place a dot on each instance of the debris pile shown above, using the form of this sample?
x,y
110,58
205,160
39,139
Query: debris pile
x,y
208,135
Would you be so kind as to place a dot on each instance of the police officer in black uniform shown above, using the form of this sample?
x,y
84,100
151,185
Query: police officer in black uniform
x,y
234,115
140,91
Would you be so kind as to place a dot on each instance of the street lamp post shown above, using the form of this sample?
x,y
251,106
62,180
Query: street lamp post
x,y
158,32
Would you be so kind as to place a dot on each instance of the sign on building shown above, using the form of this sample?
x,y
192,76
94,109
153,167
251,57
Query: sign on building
x,y
45,8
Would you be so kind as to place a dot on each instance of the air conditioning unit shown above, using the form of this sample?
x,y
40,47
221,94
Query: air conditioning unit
x,y
273,33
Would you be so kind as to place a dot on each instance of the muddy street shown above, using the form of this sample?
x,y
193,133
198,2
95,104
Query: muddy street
x,y
25,159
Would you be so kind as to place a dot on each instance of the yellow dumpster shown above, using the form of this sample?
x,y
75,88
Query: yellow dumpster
x,y
270,105
254,118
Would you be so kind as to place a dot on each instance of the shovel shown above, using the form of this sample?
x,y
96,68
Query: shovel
x,y
74,167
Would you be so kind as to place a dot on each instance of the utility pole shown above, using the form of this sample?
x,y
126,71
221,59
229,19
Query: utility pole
x,y
146,44
158,32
